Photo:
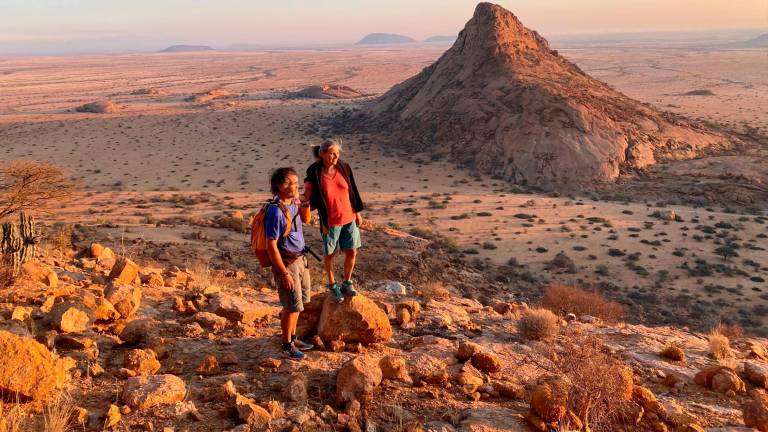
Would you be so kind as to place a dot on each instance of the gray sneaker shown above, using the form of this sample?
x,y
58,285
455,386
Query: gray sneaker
x,y
348,289
336,292
301,345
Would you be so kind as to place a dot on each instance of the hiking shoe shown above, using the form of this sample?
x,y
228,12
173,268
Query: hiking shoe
x,y
348,289
293,353
336,292
301,345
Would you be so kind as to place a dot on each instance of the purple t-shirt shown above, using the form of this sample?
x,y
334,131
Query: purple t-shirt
x,y
274,226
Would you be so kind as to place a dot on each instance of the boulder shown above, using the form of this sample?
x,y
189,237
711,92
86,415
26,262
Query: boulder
x,y
310,316
39,272
646,399
124,271
727,381
296,389
393,368
466,350
125,298
141,361
548,400
486,361
28,369
509,389
104,311
721,379
757,373
356,378
211,321
356,320
70,317
144,392
756,412
427,368
469,378
240,310
251,413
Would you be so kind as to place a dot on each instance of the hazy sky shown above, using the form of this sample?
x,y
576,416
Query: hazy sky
x,y
222,22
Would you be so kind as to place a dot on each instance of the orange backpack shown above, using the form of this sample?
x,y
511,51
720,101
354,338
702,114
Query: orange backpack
x,y
259,234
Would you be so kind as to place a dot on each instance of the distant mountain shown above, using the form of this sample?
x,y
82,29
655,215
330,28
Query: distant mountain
x,y
384,38
186,48
758,42
450,39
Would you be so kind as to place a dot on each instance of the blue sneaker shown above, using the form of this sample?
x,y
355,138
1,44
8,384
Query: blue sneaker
x,y
293,353
336,292
301,345
348,289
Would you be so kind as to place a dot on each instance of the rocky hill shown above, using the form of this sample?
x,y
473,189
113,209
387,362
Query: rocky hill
x,y
383,39
502,101
137,345
186,48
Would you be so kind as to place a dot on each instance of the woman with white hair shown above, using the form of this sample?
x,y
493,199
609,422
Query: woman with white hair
x,y
330,188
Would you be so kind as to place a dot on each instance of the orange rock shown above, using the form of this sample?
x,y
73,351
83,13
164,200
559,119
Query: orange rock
x,y
356,378
356,320
486,361
124,271
141,361
209,366
28,369
125,298
756,412
144,392
393,368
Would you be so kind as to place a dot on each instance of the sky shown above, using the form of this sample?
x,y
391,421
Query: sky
x,y
37,25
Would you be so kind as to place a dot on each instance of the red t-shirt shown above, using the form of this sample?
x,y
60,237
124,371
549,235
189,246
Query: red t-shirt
x,y
335,192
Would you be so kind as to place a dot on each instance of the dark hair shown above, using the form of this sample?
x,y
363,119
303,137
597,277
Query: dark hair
x,y
327,144
278,178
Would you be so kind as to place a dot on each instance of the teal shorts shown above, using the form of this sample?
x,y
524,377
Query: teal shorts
x,y
344,237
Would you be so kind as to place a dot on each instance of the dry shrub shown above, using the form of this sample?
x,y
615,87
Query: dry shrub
x,y
597,385
673,352
31,185
58,413
732,331
60,237
565,299
719,346
538,324
434,290
6,275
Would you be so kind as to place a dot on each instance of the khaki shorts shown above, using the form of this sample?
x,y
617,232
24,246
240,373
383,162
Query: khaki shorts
x,y
293,300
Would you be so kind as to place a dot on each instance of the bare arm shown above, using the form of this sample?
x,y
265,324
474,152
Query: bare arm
x,y
278,265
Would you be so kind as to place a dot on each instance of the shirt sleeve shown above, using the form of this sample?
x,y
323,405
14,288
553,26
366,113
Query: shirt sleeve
x,y
274,223
308,187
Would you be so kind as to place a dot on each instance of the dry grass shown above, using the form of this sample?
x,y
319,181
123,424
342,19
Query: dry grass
x,y
538,324
60,238
13,417
732,331
434,290
57,414
565,299
719,346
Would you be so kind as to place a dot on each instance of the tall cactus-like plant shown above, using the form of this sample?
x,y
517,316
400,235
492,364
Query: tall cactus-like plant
x,y
18,244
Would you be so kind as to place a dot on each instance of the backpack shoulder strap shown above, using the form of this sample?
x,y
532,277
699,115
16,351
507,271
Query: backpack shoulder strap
x,y
288,216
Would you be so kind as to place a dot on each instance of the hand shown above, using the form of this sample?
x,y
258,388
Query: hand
x,y
323,230
358,219
287,280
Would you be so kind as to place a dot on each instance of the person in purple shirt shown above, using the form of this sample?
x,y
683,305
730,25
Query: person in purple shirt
x,y
289,265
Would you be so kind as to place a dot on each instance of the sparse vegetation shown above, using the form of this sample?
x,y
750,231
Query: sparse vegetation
x,y
565,299
719,345
538,324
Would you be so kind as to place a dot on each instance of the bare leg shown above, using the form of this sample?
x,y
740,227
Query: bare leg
x,y
328,262
350,256
288,323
